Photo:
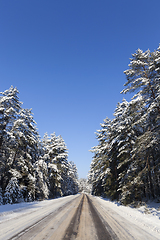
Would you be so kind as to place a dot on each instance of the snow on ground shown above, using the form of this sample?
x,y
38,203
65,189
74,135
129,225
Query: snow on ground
x,y
10,211
146,217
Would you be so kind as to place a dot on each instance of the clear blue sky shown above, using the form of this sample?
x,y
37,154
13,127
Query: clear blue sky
x,y
67,58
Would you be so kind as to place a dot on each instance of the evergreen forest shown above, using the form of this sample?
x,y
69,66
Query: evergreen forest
x,y
30,168
126,161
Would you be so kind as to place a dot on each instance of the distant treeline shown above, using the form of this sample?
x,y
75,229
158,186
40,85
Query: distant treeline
x,y
30,168
126,162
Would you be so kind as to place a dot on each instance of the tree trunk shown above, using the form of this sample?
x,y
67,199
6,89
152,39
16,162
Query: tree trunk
x,y
150,178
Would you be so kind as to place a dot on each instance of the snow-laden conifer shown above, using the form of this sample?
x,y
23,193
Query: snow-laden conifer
x,y
130,145
10,107
42,182
72,179
13,192
30,168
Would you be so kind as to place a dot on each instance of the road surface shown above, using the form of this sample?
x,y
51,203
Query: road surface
x,y
80,217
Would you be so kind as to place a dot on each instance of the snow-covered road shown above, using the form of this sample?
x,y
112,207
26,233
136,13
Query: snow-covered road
x,y
130,223
78,217
25,215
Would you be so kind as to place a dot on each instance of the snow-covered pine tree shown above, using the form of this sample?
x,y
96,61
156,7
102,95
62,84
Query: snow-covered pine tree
x,y
143,77
25,151
84,186
99,172
126,114
129,147
112,178
29,168
51,157
41,176
13,193
91,177
72,179
62,175
62,164
9,108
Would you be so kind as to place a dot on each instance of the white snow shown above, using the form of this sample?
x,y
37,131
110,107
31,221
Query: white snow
x,y
10,211
17,217
146,217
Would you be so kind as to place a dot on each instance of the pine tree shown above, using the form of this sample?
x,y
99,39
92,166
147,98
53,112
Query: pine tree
x,y
126,161
13,193
50,155
1,196
100,171
84,186
72,179
143,76
62,164
24,151
42,183
30,168
10,107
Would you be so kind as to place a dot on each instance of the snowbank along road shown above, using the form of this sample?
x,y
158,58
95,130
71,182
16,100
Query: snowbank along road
x,y
75,217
